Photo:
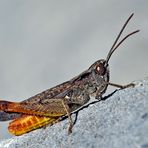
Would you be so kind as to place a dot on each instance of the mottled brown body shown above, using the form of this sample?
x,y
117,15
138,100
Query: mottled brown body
x,y
48,107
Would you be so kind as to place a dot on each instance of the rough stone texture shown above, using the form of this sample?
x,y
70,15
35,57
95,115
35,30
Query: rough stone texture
x,y
121,121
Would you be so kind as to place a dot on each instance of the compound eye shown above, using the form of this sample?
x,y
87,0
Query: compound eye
x,y
101,69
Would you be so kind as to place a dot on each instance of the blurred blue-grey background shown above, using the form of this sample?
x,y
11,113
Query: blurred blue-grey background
x,y
44,43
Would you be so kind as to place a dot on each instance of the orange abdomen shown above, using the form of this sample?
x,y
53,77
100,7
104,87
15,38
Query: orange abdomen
x,y
27,123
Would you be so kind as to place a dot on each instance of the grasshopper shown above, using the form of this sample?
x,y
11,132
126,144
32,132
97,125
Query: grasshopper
x,y
49,106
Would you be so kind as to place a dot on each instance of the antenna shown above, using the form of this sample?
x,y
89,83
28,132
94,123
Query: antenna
x,y
115,45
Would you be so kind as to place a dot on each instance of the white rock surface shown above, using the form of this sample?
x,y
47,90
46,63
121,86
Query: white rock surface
x,y
121,121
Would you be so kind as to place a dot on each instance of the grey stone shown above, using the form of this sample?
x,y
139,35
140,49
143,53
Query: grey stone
x,y
121,121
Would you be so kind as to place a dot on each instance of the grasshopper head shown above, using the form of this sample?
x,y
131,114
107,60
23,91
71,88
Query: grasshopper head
x,y
100,71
